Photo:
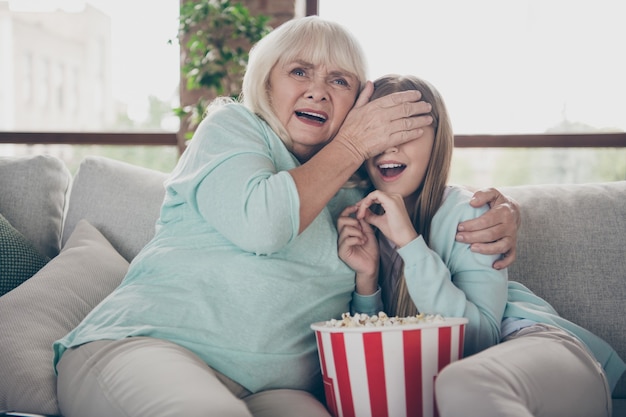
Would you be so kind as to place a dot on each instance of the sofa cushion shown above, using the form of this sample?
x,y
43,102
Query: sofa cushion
x,y
34,190
45,308
571,253
19,259
123,201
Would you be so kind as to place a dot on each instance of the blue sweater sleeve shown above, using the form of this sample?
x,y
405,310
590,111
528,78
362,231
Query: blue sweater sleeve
x,y
367,304
447,278
236,177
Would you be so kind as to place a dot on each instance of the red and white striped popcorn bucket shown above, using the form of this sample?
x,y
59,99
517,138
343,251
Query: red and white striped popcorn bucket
x,y
386,371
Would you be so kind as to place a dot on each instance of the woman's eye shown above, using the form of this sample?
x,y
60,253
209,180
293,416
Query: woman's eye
x,y
341,82
299,72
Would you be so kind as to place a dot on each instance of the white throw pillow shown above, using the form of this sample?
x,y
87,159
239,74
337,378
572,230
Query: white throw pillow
x,y
44,309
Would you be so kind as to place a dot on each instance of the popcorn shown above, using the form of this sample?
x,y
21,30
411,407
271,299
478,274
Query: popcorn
x,y
381,320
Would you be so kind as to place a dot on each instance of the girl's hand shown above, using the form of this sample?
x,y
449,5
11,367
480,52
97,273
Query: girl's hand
x,y
394,223
358,248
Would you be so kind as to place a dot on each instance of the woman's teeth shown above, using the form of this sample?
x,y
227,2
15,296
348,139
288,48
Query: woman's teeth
x,y
391,170
313,116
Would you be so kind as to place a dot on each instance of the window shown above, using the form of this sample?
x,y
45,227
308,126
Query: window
x,y
508,67
526,66
27,78
89,65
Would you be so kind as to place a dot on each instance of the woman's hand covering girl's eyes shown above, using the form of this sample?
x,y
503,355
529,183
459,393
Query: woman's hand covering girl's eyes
x,y
373,126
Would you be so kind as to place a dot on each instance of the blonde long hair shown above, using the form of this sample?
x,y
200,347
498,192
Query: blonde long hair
x,y
433,186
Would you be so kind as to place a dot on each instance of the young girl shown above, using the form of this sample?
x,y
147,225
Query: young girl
x,y
547,367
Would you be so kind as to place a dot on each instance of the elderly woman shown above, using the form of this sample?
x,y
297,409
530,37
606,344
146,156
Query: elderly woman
x,y
213,316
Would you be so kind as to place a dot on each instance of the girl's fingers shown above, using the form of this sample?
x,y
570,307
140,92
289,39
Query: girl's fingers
x,y
351,230
351,241
344,222
349,210
373,198
364,206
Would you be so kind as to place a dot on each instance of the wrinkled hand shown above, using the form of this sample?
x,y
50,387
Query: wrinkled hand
x,y
372,127
394,223
358,248
495,231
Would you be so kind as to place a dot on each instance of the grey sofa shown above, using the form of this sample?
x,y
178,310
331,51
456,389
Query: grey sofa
x,y
571,251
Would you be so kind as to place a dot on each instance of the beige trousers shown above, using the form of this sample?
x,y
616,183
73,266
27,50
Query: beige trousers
x,y
147,377
538,371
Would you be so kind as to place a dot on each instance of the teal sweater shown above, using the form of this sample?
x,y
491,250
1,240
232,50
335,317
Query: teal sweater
x,y
447,278
227,275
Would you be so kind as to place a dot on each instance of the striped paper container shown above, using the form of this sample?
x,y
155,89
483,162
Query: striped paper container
x,y
386,371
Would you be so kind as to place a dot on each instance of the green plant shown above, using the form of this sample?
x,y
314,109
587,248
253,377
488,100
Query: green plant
x,y
215,37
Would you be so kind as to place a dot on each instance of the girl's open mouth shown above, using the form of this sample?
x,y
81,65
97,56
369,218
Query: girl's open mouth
x,y
391,170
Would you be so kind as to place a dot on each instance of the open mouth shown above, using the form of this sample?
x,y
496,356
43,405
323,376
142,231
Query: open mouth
x,y
391,170
315,117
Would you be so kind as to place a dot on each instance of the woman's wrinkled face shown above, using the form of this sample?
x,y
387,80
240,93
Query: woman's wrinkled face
x,y
311,101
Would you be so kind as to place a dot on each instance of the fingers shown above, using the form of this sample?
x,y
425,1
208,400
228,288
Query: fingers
x,y
504,215
348,241
364,208
364,96
500,238
489,196
495,232
399,99
391,120
404,105
407,123
350,229
505,245
495,198
496,247
506,260
374,198
348,211
392,220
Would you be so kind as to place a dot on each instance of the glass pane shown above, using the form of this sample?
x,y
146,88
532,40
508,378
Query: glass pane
x,y
495,167
527,66
160,158
94,65
508,67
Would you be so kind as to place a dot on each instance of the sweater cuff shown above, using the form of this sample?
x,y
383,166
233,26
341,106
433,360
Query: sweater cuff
x,y
367,304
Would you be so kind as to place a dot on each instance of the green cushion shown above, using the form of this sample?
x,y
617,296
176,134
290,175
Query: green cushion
x,y
19,260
